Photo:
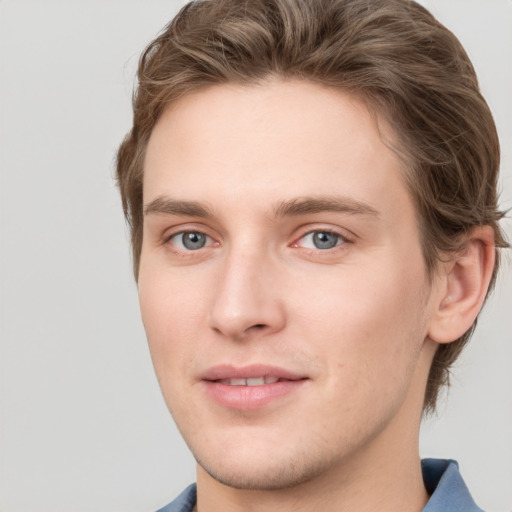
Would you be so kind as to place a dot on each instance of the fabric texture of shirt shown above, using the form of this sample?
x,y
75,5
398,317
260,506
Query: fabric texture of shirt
x,y
443,482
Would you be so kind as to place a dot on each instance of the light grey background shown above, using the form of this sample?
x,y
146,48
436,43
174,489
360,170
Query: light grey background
x,y
83,426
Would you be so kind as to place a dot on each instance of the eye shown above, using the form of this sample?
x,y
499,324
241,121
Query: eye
x,y
322,240
190,240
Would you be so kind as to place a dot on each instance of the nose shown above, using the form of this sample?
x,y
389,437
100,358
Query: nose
x,y
247,299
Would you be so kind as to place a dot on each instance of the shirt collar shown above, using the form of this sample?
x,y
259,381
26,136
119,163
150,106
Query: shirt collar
x,y
446,487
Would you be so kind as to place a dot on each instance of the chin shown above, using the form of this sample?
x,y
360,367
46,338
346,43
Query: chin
x,y
262,469
287,475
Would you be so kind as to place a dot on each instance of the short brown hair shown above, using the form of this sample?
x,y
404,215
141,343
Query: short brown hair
x,y
392,54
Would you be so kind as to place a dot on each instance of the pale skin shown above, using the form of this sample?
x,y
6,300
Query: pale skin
x,y
301,252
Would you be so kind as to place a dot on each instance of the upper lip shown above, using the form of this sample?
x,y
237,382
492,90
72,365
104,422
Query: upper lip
x,y
226,371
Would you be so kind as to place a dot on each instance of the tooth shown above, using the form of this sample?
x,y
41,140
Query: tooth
x,y
259,381
253,381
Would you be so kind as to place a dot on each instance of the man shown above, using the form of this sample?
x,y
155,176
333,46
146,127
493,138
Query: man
x,y
311,189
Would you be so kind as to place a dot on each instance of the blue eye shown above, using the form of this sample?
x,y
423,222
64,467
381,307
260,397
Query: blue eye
x,y
190,240
321,240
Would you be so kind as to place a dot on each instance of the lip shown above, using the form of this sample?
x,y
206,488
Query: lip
x,y
248,372
250,397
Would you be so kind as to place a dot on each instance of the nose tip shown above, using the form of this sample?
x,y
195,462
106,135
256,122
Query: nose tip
x,y
238,328
247,301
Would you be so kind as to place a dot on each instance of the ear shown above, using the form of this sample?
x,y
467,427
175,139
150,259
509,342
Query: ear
x,y
463,287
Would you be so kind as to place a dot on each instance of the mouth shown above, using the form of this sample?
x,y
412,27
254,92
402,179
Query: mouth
x,y
250,387
252,375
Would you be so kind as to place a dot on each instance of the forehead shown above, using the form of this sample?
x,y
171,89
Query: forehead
x,y
271,142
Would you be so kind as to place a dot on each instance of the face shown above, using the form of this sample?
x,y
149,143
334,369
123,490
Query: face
x,y
281,284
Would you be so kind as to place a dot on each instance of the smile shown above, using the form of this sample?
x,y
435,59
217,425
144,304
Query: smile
x,y
250,387
250,394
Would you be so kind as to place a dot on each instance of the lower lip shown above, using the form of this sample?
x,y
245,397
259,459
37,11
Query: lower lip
x,y
250,397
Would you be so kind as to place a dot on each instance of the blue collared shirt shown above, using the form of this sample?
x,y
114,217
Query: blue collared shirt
x,y
448,492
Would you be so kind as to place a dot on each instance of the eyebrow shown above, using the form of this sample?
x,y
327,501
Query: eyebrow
x,y
294,207
168,206
310,205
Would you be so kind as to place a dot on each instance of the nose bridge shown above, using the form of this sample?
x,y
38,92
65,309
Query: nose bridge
x,y
246,298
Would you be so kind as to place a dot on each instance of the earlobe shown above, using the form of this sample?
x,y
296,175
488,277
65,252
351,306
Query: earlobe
x,y
465,281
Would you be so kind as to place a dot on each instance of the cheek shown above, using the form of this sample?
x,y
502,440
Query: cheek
x,y
171,308
367,322
170,331
370,341
167,294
